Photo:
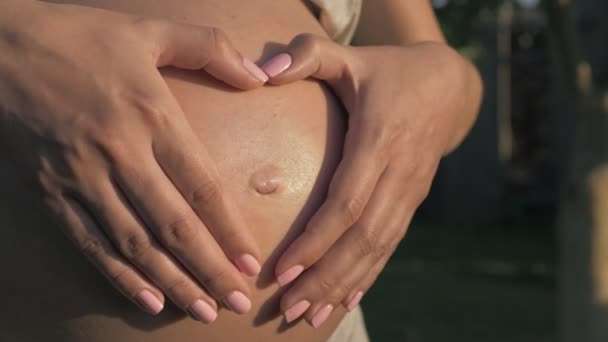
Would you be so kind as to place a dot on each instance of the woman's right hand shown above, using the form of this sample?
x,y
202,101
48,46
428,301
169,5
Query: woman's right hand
x,y
86,117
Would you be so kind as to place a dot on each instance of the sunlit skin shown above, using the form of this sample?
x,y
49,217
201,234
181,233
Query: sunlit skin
x,y
91,121
274,151
289,136
409,104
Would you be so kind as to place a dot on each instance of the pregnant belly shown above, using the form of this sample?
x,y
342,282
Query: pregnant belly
x,y
276,148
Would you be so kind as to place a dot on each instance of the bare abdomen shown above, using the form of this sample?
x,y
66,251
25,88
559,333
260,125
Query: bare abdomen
x,y
275,146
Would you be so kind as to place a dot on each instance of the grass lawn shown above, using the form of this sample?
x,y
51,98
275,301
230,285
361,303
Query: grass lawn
x,y
470,284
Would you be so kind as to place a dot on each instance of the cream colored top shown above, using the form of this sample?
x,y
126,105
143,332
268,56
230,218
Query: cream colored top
x,y
338,17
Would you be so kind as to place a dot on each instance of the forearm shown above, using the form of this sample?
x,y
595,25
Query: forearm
x,y
404,23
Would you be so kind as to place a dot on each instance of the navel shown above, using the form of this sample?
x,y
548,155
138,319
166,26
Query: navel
x,y
266,180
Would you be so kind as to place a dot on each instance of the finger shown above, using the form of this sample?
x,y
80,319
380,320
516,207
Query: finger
x,y
355,297
411,200
194,174
200,47
309,55
85,234
340,288
325,286
133,239
336,276
333,277
178,229
189,167
350,189
411,203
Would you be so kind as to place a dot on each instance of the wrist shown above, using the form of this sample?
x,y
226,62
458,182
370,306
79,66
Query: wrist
x,y
459,85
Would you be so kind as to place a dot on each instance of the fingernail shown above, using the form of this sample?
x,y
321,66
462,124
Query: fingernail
x,y
354,301
289,275
322,315
238,302
255,70
296,311
248,265
277,64
202,311
149,302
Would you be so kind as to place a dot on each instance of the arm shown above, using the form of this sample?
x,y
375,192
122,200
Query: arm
x,y
86,117
409,103
403,23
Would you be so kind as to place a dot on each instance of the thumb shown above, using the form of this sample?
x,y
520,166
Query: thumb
x,y
309,55
199,47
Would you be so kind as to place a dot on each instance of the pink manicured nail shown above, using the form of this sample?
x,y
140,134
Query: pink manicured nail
x,y
277,64
149,302
354,301
238,302
296,311
202,311
289,275
248,265
255,70
322,315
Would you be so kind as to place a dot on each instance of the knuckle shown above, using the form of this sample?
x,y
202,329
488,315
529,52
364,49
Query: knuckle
x,y
130,168
118,277
340,291
382,249
351,209
179,232
219,38
134,246
93,248
308,41
325,285
215,280
208,192
55,206
313,254
112,147
366,242
382,135
153,113
180,290
311,246
45,183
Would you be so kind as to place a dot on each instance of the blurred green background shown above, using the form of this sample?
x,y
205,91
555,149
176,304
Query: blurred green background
x,y
483,259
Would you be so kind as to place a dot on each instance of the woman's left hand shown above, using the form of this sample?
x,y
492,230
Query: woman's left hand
x,y
404,106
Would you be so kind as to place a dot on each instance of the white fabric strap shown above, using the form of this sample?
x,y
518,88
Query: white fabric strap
x,y
339,18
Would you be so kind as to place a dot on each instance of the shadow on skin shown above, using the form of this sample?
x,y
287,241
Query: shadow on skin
x,y
270,310
31,274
